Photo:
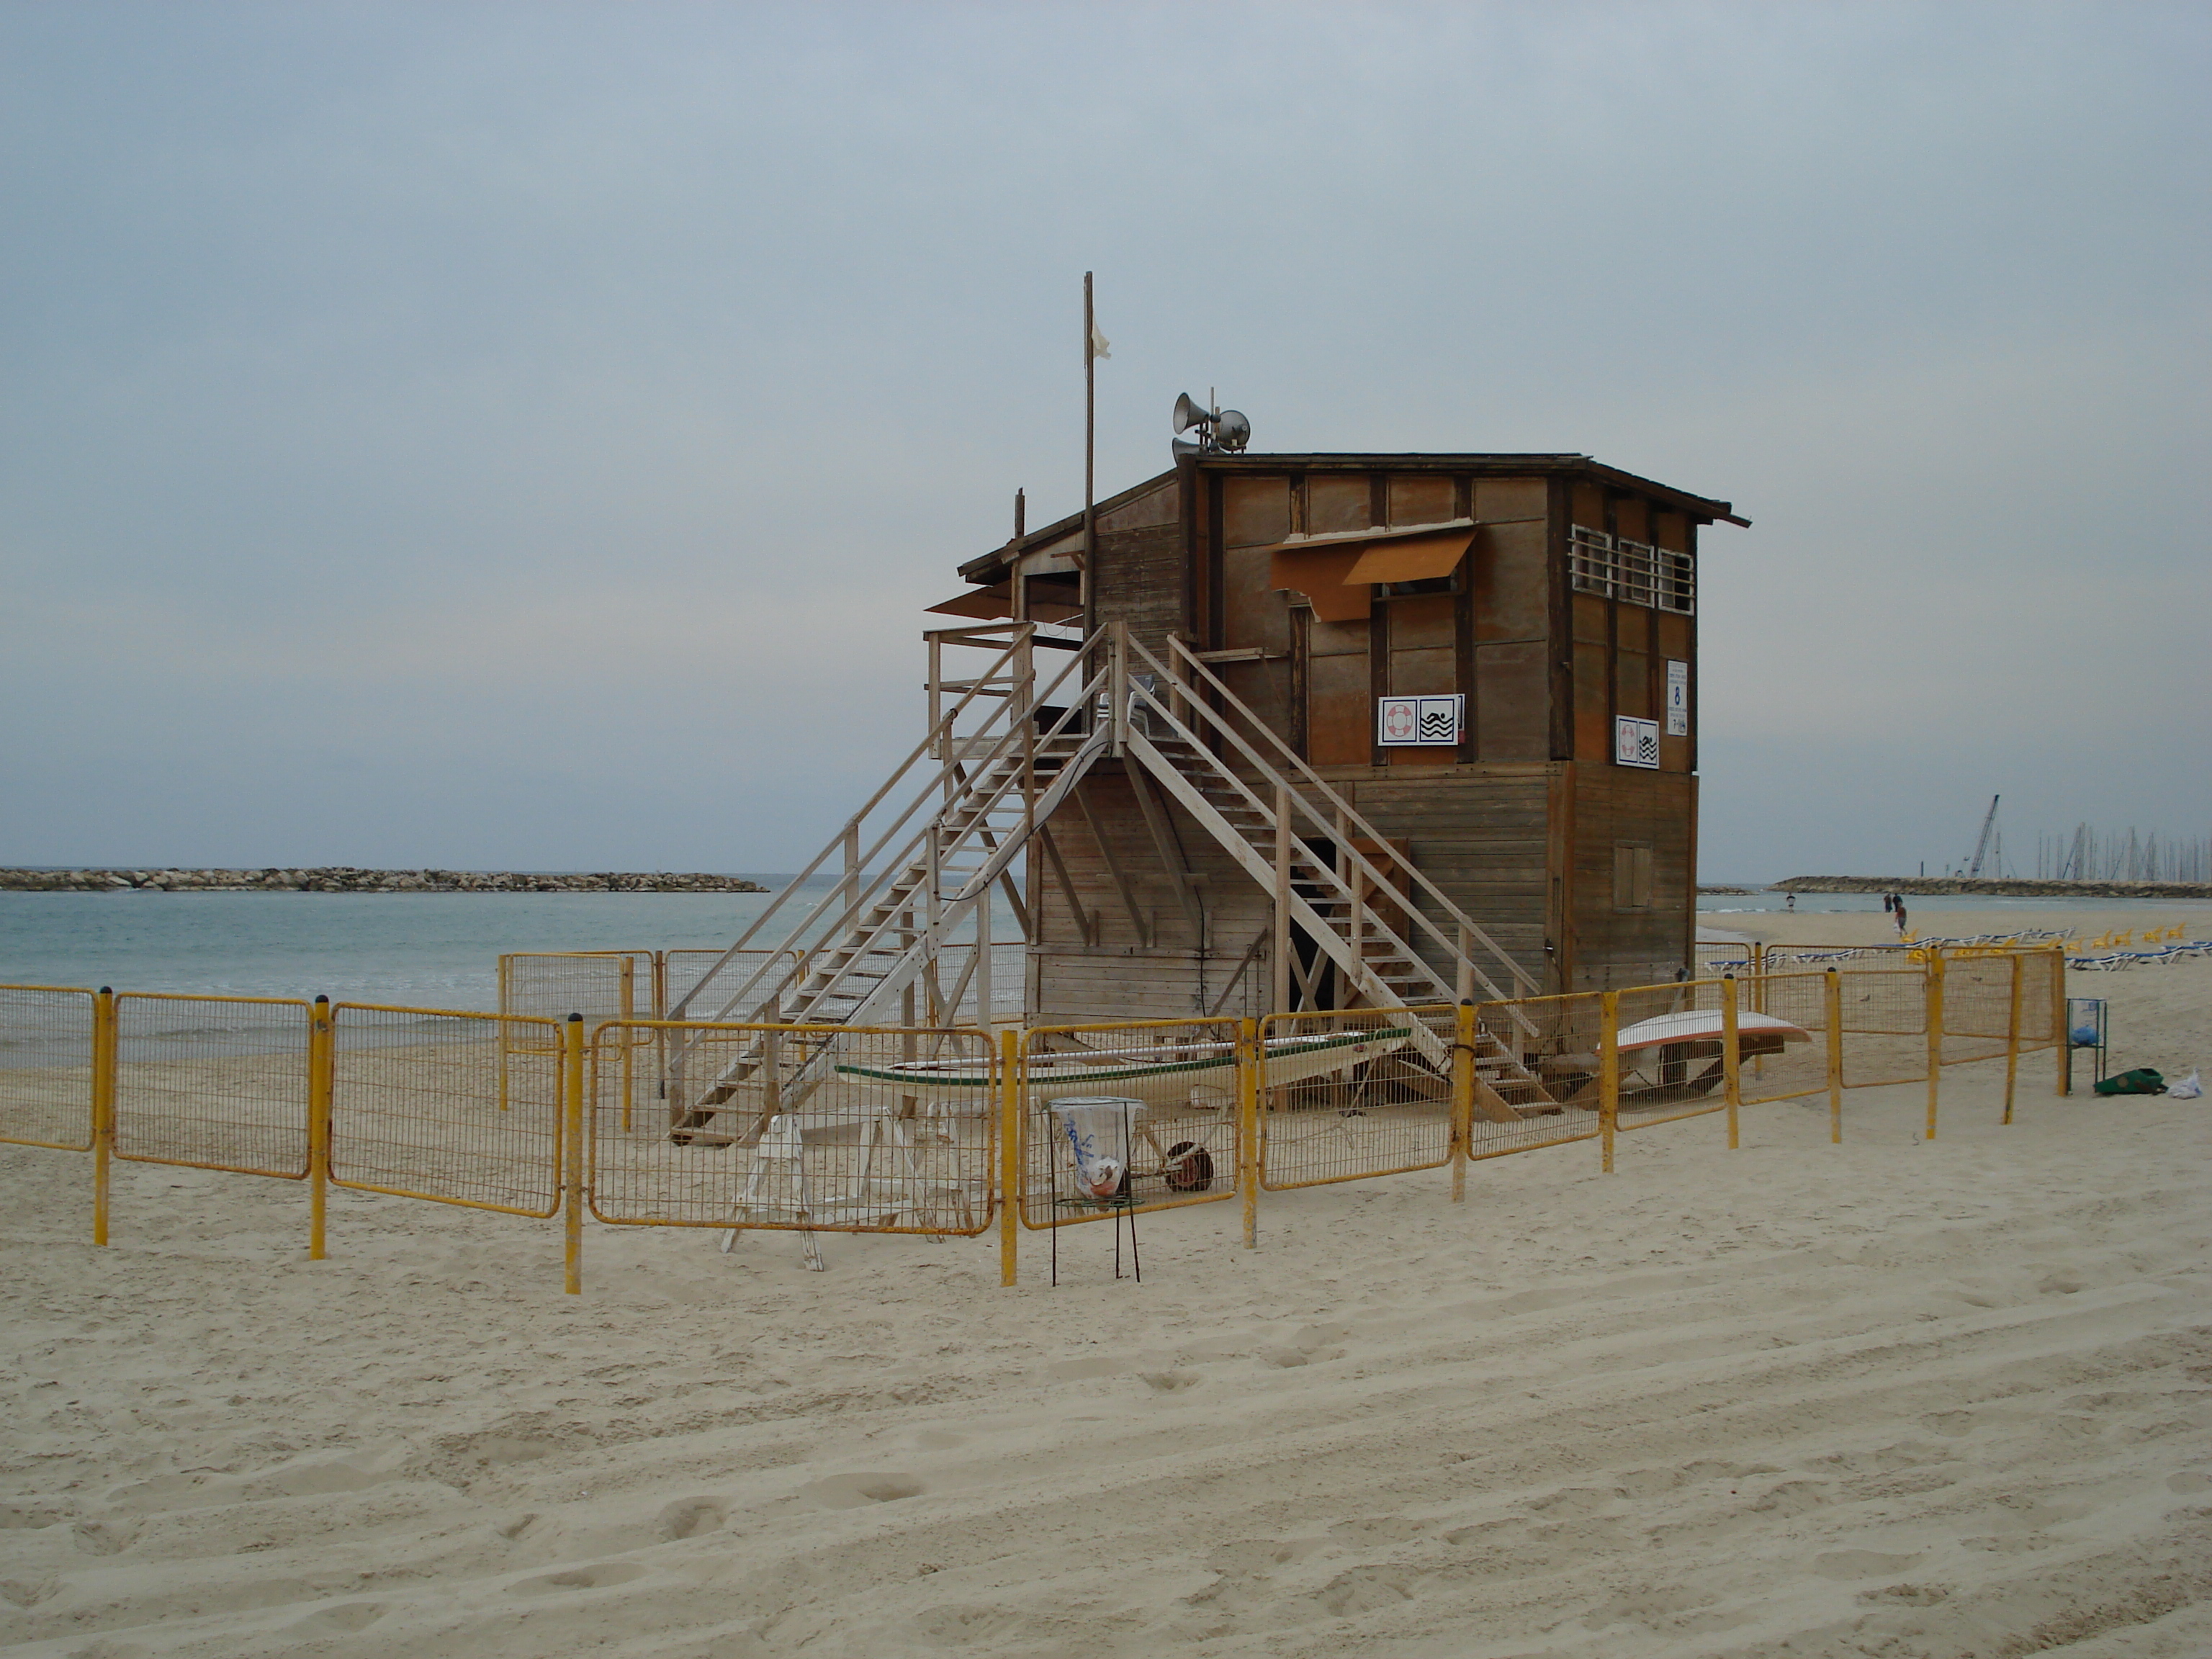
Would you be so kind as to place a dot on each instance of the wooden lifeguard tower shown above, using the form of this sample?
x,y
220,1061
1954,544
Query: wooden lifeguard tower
x,y
1274,732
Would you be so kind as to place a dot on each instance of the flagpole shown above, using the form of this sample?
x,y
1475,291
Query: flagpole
x,y
1089,440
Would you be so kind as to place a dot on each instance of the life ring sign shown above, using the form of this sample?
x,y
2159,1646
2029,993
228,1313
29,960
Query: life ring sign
x,y
1415,722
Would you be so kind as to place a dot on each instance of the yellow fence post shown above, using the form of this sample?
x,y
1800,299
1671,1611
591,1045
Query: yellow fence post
x,y
1933,982
1608,1075
103,1107
1759,999
1462,1119
2012,1038
1010,1151
2064,1081
1833,1000
572,1174
1731,1059
322,1086
627,1002
1248,1125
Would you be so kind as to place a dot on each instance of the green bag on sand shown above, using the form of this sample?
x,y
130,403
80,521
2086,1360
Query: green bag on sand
x,y
2141,1081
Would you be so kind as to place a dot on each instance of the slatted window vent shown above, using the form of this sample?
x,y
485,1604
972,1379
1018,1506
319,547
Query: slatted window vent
x,y
1634,573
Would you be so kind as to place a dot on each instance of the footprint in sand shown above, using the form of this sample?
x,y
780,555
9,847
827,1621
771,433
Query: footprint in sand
x,y
598,1575
851,1492
689,1517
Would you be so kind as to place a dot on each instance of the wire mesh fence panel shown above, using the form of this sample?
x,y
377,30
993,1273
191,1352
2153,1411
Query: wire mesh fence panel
x,y
1358,1092
1817,958
822,1129
1783,1033
700,981
1127,1118
431,1104
551,985
1535,1073
46,1066
1978,992
1885,1026
1669,1045
217,1083
1719,956
2039,1014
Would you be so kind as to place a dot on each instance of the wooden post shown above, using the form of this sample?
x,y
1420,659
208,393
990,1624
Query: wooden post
x,y
1462,1095
1090,450
1282,988
103,1107
1247,1125
2012,1037
322,1065
1833,992
1934,995
2065,1077
572,1174
1010,1152
1608,1074
1731,1059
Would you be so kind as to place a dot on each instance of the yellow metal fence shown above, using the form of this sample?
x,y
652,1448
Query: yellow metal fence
x,y
935,1130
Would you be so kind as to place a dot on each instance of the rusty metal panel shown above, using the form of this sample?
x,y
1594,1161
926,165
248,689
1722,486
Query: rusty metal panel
x,y
1590,620
1417,559
1511,701
1632,685
1319,573
1421,497
1497,499
1253,612
1337,501
1255,510
1339,710
1593,711
1422,622
1512,595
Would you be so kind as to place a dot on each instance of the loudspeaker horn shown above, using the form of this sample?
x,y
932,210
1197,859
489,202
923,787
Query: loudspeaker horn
x,y
1188,414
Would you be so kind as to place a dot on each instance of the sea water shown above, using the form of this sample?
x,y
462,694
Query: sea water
x,y
421,950
442,949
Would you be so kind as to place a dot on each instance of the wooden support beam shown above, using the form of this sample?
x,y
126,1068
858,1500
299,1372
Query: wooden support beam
x,y
1086,928
1165,842
1243,962
1113,869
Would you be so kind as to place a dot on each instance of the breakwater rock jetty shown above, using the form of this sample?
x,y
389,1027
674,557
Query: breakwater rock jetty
x,y
1994,887
346,879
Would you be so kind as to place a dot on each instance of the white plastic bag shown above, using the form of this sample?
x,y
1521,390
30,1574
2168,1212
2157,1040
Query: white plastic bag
x,y
2188,1089
1097,1128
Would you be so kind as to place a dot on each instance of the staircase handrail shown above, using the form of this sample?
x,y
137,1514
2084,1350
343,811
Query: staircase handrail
x,y
1520,975
938,731
867,944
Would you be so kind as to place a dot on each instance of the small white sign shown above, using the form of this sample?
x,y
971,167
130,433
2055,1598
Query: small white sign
x,y
1635,742
1411,722
1678,699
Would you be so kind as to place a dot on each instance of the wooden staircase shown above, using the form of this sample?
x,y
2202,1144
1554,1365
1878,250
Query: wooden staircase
x,y
872,954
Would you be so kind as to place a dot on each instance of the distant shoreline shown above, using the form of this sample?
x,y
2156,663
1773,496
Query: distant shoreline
x,y
1995,887
347,878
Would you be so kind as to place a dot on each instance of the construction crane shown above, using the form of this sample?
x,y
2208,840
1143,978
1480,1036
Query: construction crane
x,y
1981,846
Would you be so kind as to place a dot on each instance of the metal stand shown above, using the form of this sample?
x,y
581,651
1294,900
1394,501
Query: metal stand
x,y
2086,1015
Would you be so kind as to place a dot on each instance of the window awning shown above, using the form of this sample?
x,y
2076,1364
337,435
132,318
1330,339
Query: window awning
x,y
1413,559
1320,573
1336,571
1050,601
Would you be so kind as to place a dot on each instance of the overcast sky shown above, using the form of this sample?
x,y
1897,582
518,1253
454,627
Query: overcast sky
x,y
525,435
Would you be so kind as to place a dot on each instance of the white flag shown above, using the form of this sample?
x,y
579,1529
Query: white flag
x,y
1099,344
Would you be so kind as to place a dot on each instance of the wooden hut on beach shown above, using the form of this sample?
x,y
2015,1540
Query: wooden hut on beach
x,y
1282,732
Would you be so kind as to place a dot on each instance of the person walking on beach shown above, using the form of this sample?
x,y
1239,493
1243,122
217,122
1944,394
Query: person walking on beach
x,y
1888,904
1900,916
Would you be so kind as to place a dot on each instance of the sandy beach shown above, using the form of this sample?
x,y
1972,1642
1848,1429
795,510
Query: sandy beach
x,y
1894,1397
